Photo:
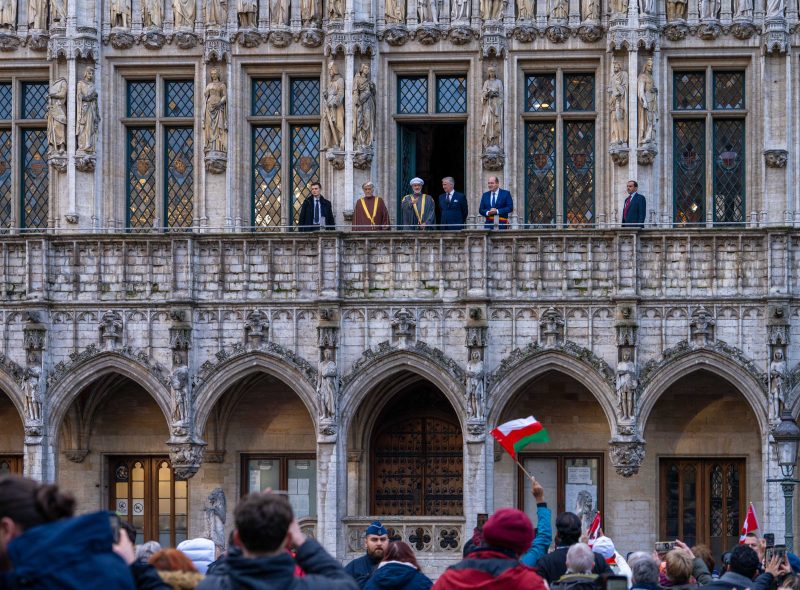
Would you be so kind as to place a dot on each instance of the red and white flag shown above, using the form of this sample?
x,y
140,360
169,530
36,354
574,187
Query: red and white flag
x,y
750,523
594,529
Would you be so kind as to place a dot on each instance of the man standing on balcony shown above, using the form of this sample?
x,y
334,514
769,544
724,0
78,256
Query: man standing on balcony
x,y
635,208
417,208
496,202
370,212
453,205
316,211
376,542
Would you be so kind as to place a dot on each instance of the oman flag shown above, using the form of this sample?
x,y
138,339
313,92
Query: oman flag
x,y
515,435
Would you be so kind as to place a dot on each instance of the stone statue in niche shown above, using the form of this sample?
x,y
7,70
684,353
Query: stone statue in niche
x,y
776,9
590,10
363,108
461,10
88,122
311,13
32,388
676,10
395,11
215,117
618,104
493,9
8,14
709,9
179,384
215,13
647,93
626,386
185,12
525,9
57,117
619,8
152,14
476,385
327,386
647,7
777,378
427,11
559,9
216,515
279,15
248,13
333,115
121,14
492,115
37,14
58,14
744,9
335,9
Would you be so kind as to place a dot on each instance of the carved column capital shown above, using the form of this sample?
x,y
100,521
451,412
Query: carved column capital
x,y
626,456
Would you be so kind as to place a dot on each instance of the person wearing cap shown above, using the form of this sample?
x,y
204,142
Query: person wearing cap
x,y
604,547
417,209
376,542
496,202
370,212
506,536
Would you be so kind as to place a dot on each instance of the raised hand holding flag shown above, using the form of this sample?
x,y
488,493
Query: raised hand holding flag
x,y
750,523
594,529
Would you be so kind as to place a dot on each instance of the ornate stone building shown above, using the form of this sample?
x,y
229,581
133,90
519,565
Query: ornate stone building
x,y
166,333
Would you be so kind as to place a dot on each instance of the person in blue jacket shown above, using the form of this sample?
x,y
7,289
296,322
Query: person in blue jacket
x,y
399,570
544,527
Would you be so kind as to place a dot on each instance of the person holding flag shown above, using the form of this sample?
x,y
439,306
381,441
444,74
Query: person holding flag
x,y
750,524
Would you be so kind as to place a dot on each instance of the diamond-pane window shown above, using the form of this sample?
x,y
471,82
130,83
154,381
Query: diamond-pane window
x,y
728,90
451,94
179,98
689,176
141,177
540,172
266,98
267,176
180,176
579,171
729,171
690,91
35,200
305,96
6,194
34,100
540,92
412,95
5,101
141,98
579,92
305,164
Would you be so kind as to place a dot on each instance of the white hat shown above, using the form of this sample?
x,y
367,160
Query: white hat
x,y
416,180
604,546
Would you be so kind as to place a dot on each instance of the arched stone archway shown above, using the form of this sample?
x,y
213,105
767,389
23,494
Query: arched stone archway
x,y
12,435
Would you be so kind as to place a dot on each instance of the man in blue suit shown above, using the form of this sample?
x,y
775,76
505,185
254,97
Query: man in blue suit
x,y
453,205
496,202
635,208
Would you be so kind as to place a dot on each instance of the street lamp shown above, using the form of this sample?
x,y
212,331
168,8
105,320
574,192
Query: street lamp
x,y
787,438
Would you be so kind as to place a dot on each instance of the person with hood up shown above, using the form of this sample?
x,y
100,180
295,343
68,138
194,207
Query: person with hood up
x,y
265,528
507,535
176,569
201,551
399,570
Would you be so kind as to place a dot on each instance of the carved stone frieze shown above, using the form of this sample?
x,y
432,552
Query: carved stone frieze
x,y
9,41
462,34
776,158
646,155
311,37
395,35
619,153
153,39
525,33
38,40
57,161
76,359
186,39
85,163
590,33
743,30
72,48
121,39
280,39
186,458
362,159
709,31
626,456
428,34
336,159
216,161
248,38
676,31
557,33
493,158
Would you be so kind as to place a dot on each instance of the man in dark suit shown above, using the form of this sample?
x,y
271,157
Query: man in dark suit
x,y
453,205
496,202
634,210
316,211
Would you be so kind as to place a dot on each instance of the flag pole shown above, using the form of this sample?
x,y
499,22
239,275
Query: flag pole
x,y
525,471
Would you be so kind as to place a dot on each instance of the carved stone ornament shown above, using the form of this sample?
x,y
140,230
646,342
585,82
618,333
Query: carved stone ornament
x,y
186,39
186,458
33,430
85,163
493,42
619,153
701,327
249,38
280,39
216,48
493,158
476,430
256,328
362,159
776,158
675,31
557,33
626,456
646,155
404,327
551,327
709,31
111,329
38,40
72,218
743,30
461,35
396,35
153,39
58,162
76,455
312,38
428,34
525,33
776,40
590,33
8,41
336,159
121,39
216,161
76,359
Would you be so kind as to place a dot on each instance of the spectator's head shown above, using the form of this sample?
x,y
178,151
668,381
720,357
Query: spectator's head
x,y
146,550
644,569
129,530
704,553
744,561
376,540
604,547
401,551
509,528
262,524
25,503
580,559
171,560
568,528
200,551
679,567
726,561
753,541
790,583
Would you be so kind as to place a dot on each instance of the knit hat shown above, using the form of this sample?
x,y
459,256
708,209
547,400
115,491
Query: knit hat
x,y
605,547
509,528
376,528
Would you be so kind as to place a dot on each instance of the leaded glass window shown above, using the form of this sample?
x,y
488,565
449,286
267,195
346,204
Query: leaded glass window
x,y
280,157
412,95
5,101
451,94
34,100
559,148
709,146
6,188
35,201
160,145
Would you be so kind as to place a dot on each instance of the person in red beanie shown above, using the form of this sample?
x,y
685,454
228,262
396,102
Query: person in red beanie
x,y
506,536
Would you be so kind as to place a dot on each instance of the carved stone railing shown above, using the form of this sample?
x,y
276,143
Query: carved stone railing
x,y
292,267
426,534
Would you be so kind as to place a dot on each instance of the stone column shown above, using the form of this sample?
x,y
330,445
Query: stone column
x,y
328,427
34,384
476,479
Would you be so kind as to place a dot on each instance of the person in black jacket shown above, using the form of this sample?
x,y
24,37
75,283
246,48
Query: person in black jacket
x,y
265,528
568,532
376,542
315,211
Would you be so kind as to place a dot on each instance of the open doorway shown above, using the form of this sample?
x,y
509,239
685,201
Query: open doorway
x,y
430,151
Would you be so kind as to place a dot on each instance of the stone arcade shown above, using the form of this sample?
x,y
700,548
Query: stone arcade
x,y
165,373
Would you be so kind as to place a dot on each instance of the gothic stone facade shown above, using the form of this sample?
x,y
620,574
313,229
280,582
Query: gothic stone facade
x,y
216,346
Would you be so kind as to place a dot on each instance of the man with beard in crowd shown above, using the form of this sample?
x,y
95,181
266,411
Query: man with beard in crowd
x,y
376,541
